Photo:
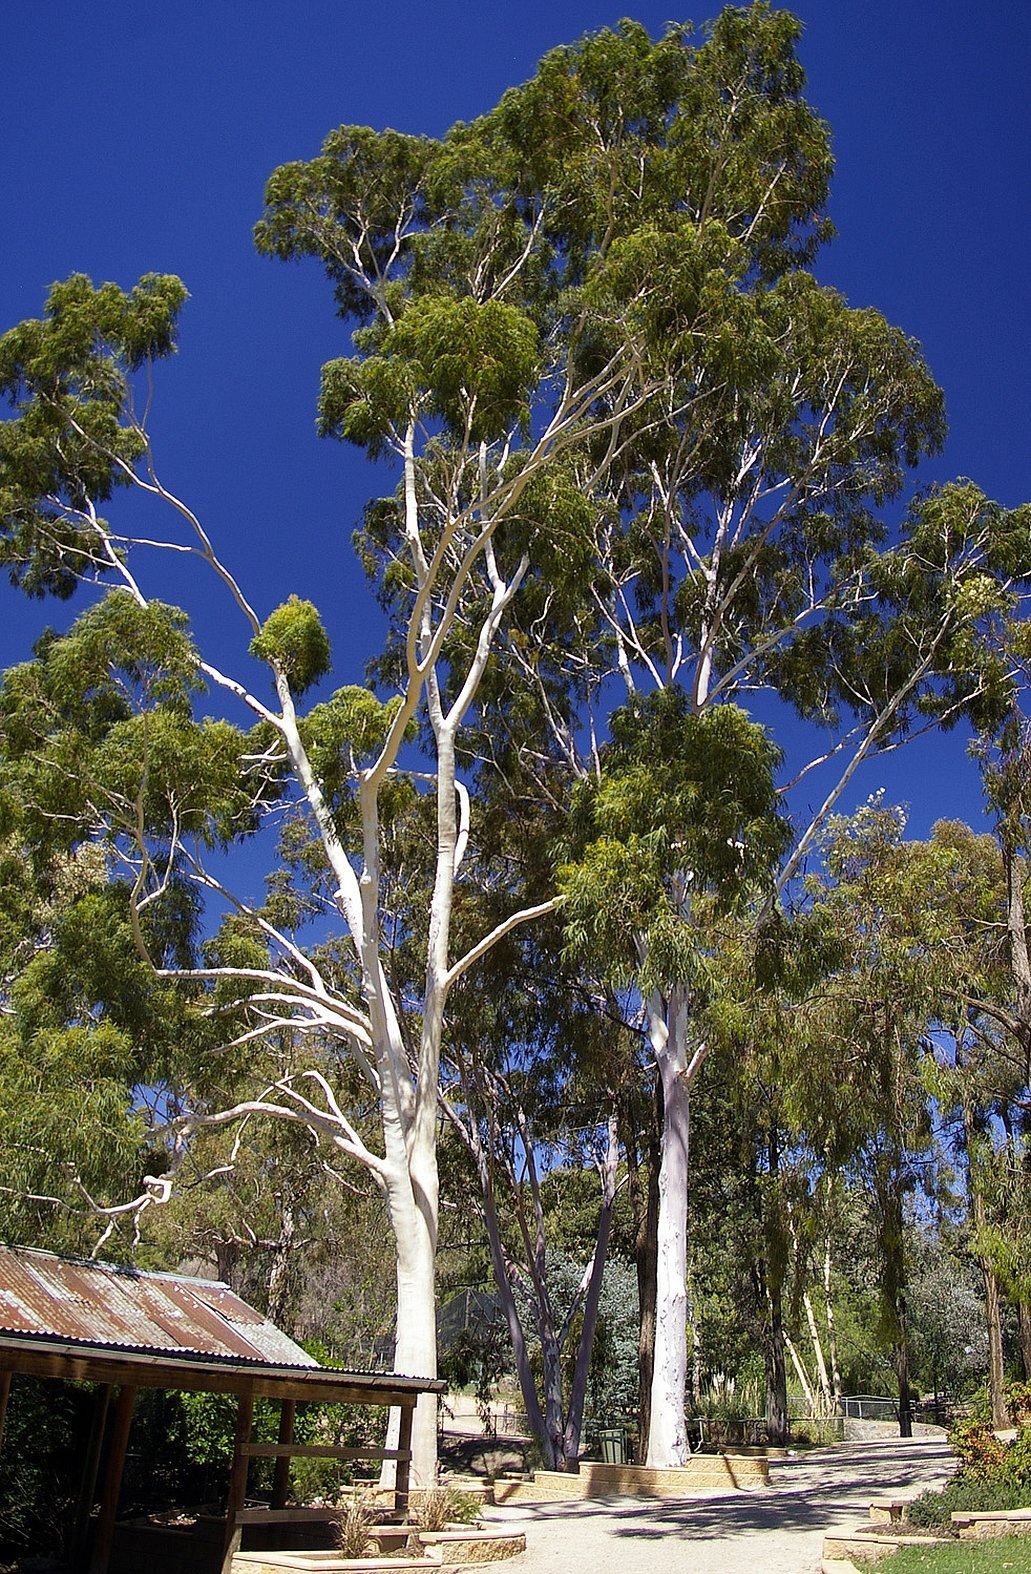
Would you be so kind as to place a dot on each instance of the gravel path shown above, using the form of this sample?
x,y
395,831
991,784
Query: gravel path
x,y
777,1530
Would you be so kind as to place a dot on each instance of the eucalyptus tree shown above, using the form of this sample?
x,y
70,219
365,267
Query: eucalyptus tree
x,y
623,201
463,380
981,1069
491,374
629,434
738,544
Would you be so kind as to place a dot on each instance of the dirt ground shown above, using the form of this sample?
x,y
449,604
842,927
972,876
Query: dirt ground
x,y
776,1530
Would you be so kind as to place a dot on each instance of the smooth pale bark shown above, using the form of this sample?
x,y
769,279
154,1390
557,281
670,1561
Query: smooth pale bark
x,y
415,1345
817,1344
667,1434
802,1375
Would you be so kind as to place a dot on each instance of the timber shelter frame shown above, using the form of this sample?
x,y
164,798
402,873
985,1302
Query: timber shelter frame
x,y
120,1372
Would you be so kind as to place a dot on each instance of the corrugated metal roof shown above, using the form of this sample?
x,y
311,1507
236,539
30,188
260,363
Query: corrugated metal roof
x,y
124,1308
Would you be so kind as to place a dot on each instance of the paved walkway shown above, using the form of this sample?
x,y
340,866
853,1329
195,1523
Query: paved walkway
x,y
777,1530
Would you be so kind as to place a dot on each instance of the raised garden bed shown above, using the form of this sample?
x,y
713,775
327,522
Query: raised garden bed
x,y
460,1544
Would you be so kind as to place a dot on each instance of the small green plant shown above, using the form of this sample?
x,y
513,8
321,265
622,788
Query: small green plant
x,y
351,1529
444,1506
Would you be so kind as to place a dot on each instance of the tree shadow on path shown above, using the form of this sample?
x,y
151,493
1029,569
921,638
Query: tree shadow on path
x,y
805,1495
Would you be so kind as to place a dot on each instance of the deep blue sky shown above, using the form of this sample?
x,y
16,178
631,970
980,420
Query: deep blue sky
x,y
138,137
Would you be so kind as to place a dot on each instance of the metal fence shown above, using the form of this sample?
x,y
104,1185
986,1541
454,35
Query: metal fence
x,y
870,1407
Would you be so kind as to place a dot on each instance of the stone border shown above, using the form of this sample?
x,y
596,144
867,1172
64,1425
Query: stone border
x,y
461,1545
886,1533
704,1473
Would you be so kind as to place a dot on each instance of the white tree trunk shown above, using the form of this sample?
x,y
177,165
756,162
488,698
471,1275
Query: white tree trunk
x,y
411,1184
667,1433
821,1364
415,1350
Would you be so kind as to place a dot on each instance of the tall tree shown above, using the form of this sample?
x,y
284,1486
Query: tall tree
x,y
741,546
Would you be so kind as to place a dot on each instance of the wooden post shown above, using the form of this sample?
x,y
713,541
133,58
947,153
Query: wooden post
x,y
112,1481
90,1470
237,1479
404,1463
281,1478
5,1391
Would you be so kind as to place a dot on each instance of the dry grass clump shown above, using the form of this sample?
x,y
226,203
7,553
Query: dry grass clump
x,y
352,1526
443,1506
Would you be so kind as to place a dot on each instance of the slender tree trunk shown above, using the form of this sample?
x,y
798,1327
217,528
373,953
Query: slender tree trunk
x,y
667,1434
592,1298
996,1360
802,1375
902,1371
992,1305
818,1356
776,1370
516,1334
646,1237
769,1281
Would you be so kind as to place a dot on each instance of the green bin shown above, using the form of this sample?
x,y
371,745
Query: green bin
x,y
612,1441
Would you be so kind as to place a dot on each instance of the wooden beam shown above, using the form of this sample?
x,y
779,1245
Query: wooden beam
x,y
112,1487
320,1451
404,1455
5,1394
90,1470
211,1376
281,1478
237,1481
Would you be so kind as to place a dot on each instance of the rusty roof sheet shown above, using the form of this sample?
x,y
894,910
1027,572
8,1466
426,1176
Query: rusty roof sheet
x,y
123,1308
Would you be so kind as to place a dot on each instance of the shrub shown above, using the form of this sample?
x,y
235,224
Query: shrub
x,y
1018,1403
993,1476
965,1495
981,1454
